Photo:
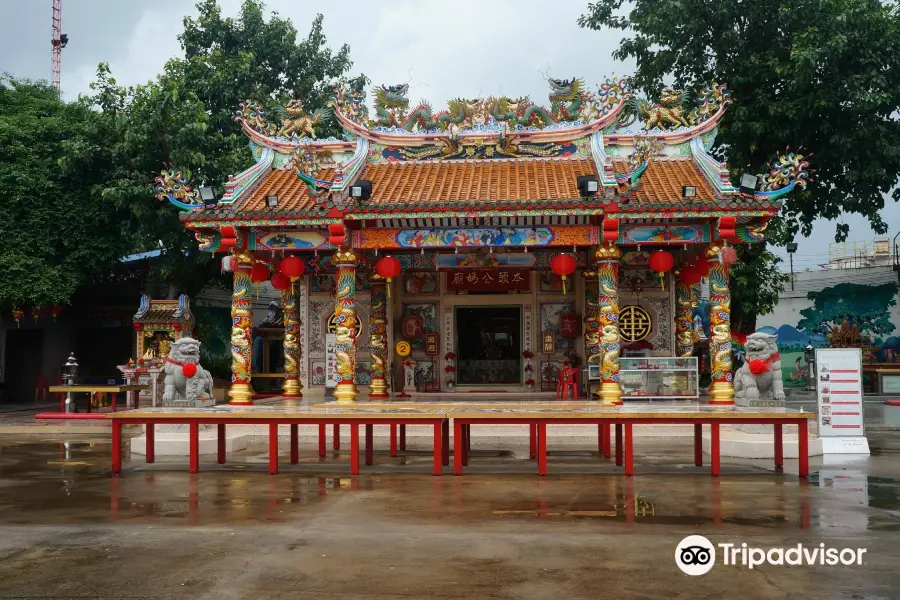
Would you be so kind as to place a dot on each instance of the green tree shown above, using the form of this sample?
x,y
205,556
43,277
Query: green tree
x,y
866,306
56,234
755,282
184,118
821,74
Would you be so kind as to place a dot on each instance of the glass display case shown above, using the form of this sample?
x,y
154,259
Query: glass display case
x,y
654,377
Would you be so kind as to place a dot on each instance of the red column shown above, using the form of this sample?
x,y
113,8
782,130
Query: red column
x,y
116,447
194,443
714,448
698,444
779,446
438,449
295,444
273,449
150,435
803,447
220,441
458,447
354,448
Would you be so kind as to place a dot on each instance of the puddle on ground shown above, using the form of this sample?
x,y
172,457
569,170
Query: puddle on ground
x,y
70,483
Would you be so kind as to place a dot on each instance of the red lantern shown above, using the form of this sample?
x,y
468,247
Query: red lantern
x,y
662,261
55,310
292,267
568,325
17,315
36,313
689,275
728,255
280,281
702,267
563,265
388,267
259,273
176,326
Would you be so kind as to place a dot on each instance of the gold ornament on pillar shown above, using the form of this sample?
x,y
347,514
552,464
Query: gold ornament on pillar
x,y
242,324
722,389
346,260
293,353
378,337
608,258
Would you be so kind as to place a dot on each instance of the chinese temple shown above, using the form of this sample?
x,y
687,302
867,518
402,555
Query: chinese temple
x,y
500,238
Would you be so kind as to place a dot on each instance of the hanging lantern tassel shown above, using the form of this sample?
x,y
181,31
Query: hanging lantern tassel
x,y
564,284
389,287
662,281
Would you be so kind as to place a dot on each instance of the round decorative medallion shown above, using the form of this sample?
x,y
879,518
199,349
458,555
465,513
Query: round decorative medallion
x,y
635,323
332,326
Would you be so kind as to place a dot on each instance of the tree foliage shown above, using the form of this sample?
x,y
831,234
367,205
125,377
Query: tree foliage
x,y
821,74
184,118
56,234
755,282
866,306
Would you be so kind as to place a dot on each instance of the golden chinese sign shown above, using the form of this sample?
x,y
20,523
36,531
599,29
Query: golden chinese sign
x,y
332,328
431,344
635,323
496,281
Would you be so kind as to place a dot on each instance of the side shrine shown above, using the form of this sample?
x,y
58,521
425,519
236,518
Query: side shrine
x,y
498,238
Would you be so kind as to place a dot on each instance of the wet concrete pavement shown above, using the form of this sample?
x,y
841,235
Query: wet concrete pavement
x,y
70,530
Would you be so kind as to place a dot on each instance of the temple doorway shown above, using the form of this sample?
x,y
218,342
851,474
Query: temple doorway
x,y
489,345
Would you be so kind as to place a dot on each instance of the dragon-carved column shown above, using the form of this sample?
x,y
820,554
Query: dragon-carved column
x,y
241,332
346,261
378,341
608,258
293,352
684,319
592,350
722,389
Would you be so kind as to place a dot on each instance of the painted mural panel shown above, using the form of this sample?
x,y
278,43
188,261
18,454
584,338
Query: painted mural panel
x,y
562,235
286,240
838,316
550,315
665,234
428,313
421,284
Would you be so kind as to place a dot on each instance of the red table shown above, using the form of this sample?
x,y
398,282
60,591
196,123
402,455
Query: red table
x,y
624,418
273,416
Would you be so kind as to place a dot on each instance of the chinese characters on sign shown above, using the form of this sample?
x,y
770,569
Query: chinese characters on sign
x,y
548,342
331,376
497,281
431,344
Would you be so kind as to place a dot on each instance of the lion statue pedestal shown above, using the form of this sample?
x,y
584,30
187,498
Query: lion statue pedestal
x,y
187,384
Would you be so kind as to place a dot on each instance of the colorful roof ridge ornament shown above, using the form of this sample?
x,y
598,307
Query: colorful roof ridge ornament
x,y
787,171
673,110
174,186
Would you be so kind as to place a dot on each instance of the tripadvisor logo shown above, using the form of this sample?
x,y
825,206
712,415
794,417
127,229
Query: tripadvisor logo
x,y
696,555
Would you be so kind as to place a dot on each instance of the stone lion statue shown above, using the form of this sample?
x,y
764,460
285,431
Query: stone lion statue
x,y
185,379
760,376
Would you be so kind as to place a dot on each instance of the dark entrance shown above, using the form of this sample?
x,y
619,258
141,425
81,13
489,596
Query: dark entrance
x,y
489,345
24,359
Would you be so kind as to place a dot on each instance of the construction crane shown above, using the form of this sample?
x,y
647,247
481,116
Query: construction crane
x,y
58,41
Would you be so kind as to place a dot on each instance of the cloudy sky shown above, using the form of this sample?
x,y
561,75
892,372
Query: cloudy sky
x,y
444,49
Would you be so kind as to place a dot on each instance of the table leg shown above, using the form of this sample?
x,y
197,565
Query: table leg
x,y
295,444
321,440
714,448
542,448
629,450
779,447
354,448
403,437
370,450
114,396
618,444
803,447
607,441
438,448
698,444
465,444
445,440
220,441
336,441
600,444
150,435
273,448
457,447
393,440
116,447
468,438
194,444
532,441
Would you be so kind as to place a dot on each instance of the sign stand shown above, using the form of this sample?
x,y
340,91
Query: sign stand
x,y
331,376
839,398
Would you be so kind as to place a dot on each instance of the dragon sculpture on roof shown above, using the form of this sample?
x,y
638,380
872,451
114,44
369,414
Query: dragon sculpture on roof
x,y
674,111
174,186
570,102
787,171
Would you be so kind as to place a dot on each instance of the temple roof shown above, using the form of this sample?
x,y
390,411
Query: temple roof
x,y
486,154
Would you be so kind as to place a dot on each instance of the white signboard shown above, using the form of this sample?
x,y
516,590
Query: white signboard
x,y
839,391
331,376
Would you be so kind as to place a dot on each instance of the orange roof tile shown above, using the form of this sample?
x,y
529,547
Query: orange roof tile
x,y
290,189
476,181
663,180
